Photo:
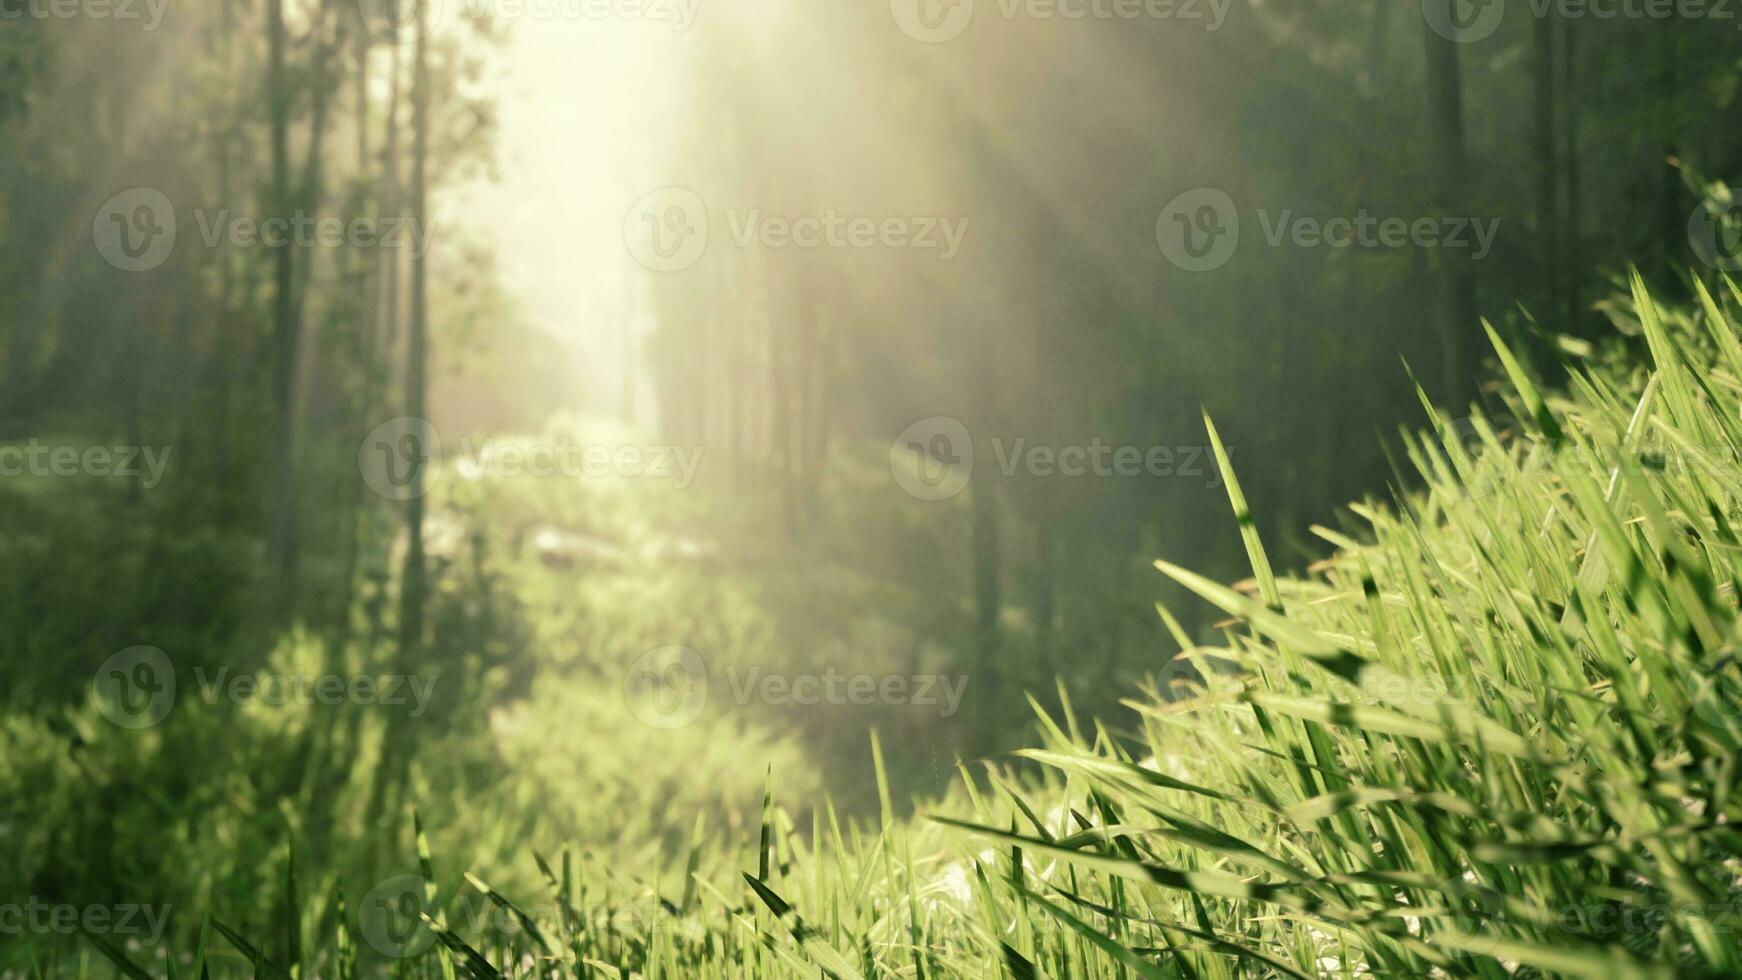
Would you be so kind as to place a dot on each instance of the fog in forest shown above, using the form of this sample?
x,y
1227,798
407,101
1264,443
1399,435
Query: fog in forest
x,y
567,417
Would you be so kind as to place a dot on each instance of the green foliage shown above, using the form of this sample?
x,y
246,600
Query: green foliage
x,y
1496,732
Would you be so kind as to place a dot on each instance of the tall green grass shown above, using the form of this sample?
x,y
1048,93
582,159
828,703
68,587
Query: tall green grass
x,y
1495,733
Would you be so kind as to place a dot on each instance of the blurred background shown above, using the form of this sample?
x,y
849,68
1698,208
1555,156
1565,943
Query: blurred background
x,y
560,416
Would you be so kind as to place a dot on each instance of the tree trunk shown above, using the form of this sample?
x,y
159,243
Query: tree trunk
x,y
629,341
1045,555
226,140
1377,31
392,202
358,523
1548,221
413,588
1446,110
986,564
1572,244
412,585
283,539
1672,213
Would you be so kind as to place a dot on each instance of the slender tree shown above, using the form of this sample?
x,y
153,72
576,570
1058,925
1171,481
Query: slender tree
x,y
1548,222
413,588
1572,246
286,343
1446,118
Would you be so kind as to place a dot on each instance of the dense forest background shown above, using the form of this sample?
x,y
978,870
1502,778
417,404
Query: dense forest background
x,y
264,378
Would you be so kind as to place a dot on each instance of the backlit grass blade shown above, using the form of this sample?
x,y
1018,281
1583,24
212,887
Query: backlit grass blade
x,y
1116,952
113,953
1534,406
251,952
474,961
526,921
1243,516
824,955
